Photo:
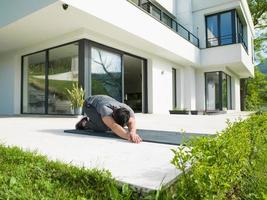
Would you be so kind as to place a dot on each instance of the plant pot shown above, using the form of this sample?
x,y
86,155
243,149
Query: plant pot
x,y
183,112
194,112
77,111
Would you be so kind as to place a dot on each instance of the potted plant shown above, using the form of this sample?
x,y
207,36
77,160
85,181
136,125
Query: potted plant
x,y
76,97
179,111
194,112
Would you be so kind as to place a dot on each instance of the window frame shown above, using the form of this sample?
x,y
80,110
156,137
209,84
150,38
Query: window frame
x,y
46,51
84,70
233,23
229,107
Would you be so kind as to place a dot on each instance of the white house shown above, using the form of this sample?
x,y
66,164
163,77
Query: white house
x,y
153,55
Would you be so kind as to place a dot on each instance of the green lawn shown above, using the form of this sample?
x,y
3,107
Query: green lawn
x,y
26,175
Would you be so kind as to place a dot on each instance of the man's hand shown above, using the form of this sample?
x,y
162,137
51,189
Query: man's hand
x,y
135,138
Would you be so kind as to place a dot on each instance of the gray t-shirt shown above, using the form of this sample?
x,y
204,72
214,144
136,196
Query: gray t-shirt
x,y
104,105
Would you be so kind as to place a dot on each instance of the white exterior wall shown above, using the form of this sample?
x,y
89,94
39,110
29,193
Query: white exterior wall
x,y
236,93
7,84
162,95
190,88
200,90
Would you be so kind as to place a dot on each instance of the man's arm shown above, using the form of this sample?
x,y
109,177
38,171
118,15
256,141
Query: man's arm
x,y
116,128
132,130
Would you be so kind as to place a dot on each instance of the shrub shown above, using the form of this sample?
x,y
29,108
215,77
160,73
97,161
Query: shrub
x,y
231,165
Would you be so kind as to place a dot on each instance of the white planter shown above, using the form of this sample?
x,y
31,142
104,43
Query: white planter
x,y
77,111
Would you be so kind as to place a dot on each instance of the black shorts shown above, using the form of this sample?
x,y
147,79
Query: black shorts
x,y
95,121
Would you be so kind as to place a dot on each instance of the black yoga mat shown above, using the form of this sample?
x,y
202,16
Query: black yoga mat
x,y
164,137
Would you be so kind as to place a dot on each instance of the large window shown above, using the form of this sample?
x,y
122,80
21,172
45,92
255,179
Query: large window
x,y
220,29
46,77
218,91
225,28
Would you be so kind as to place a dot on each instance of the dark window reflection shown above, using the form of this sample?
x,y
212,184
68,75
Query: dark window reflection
x,y
224,91
63,73
106,68
167,20
212,31
226,28
212,91
34,83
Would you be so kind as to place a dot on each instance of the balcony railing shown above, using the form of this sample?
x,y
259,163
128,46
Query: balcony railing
x,y
165,18
242,41
225,40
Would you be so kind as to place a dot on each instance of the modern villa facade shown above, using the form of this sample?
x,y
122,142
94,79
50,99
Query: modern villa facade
x,y
153,55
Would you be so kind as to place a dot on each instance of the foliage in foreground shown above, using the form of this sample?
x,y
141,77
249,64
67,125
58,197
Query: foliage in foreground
x,y
256,90
26,175
232,165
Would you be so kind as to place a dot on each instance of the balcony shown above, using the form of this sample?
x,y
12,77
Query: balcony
x,y
156,11
226,40
232,56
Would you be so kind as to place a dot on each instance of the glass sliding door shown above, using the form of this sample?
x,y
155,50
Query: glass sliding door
x,y
224,92
34,83
212,91
62,74
106,73
133,82
46,77
218,91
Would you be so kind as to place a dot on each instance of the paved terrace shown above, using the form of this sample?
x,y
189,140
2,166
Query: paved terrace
x,y
146,165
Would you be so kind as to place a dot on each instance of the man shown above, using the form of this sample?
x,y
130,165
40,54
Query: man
x,y
104,113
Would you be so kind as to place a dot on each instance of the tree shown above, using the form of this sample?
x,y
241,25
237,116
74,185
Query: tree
x,y
256,91
256,88
258,10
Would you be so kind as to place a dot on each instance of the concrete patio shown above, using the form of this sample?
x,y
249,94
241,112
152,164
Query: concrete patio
x,y
146,165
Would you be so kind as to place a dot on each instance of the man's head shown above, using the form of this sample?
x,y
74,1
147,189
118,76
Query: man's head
x,y
121,116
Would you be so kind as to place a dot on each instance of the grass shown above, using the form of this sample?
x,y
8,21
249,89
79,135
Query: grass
x,y
27,175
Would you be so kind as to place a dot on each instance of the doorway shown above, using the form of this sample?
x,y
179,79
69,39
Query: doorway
x,y
133,82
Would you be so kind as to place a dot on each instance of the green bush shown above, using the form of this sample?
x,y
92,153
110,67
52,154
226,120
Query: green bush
x,y
232,165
